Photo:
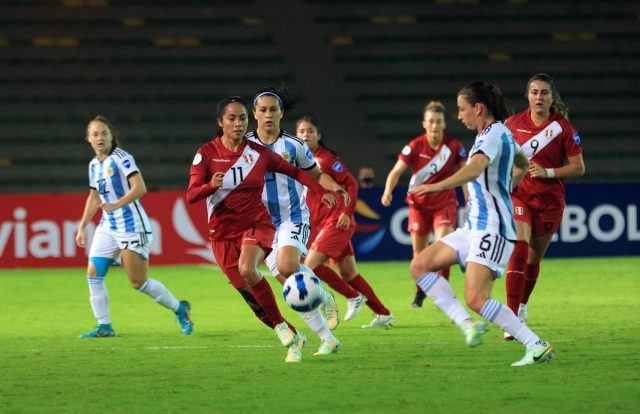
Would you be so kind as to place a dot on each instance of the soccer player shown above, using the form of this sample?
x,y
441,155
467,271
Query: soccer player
x,y
285,200
547,139
229,172
332,229
433,156
484,245
115,187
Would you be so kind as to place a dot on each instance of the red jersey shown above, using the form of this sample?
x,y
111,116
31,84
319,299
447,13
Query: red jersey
x,y
430,166
331,164
237,205
548,145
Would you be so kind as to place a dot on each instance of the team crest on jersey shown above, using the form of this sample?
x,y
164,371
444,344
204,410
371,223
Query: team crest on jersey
x,y
576,138
337,167
548,133
462,153
406,150
197,159
309,154
109,172
126,163
248,158
519,210
285,156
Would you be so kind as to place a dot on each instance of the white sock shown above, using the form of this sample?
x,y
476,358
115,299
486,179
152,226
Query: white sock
x,y
439,290
316,322
504,317
99,299
160,294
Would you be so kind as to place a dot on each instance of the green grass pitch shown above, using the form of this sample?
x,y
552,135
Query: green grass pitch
x,y
588,309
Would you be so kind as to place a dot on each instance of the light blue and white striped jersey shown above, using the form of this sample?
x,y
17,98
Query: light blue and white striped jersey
x,y
490,208
283,196
109,179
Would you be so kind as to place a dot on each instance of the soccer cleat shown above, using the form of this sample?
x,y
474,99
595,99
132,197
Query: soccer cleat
x,y
473,333
329,310
508,337
523,312
183,315
294,353
328,347
353,306
539,353
285,334
104,330
417,301
381,321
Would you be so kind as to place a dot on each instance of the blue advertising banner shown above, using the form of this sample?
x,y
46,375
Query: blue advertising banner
x,y
599,220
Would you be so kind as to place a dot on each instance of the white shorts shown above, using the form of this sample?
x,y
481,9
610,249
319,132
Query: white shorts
x,y
488,249
288,234
107,243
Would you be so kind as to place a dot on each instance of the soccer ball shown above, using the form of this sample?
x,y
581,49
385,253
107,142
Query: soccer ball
x,y
302,291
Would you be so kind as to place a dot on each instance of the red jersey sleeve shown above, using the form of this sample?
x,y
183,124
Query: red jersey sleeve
x,y
571,141
344,178
409,152
200,186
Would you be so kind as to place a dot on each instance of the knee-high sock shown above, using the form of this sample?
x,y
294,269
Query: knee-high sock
x,y
500,315
264,296
316,322
516,275
255,307
99,299
160,294
439,290
533,271
331,278
373,302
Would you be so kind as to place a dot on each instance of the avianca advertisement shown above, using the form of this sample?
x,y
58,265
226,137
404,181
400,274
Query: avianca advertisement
x,y
38,230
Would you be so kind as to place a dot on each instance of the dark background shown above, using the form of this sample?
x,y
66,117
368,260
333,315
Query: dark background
x,y
365,68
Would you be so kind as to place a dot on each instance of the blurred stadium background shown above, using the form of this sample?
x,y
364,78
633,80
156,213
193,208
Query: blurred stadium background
x,y
364,67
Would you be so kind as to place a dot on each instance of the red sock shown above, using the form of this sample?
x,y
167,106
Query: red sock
x,y
331,278
530,282
516,275
444,272
264,296
373,302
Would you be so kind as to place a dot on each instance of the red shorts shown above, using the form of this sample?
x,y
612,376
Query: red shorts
x,y
424,221
227,252
334,242
541,221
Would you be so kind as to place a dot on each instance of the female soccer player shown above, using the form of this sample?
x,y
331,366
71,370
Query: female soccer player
x,y
285,200
433,156
229,172
332,230
484,245
547,139
115,186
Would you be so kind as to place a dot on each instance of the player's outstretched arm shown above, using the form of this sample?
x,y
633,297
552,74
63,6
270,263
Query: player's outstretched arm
x,y
392,181
479,162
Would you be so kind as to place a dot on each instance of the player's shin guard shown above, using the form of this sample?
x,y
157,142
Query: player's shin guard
x,y
263,294
516,275
158,292
99,299
361,285
331,278
533,270
255,307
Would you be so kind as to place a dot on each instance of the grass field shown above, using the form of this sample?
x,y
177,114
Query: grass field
x,y
588,308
